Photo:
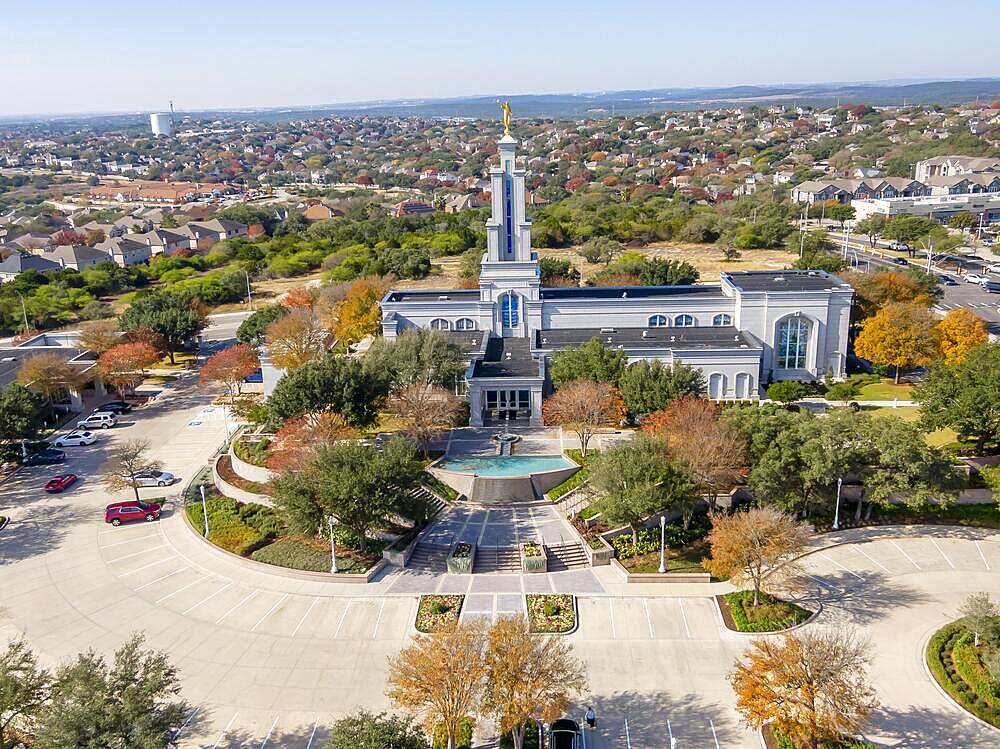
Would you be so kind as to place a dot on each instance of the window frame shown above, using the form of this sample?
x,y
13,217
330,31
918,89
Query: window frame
x,y
658,321
682,321
435,324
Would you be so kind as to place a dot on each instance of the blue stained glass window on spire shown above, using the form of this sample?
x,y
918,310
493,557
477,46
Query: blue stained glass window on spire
x,y
509,310
508,220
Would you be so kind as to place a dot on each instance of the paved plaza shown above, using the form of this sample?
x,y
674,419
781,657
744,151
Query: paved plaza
x,y
269,658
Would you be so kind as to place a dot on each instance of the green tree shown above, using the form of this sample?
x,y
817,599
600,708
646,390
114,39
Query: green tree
x,y
364,730
173,315
24,691
132,703
908,228
964,397
417,356
555,271
589,361
842,212
20,418
636,480
659,272
600,250
329,383
651,386
872,227
963,220
360,485
786,391
252,329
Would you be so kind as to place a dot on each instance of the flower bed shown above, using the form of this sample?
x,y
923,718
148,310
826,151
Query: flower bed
x,y
775,739
958,669
460,558
771,615
685,548
687,558
551,613
438,612
252,452
533,558
225,468
236,527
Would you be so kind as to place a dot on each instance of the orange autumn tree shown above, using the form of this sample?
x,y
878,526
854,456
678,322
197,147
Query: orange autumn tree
x,y
296,338
583,407
873,291
299,297
123,366
899,335
358,314
230,366
295,441
958,333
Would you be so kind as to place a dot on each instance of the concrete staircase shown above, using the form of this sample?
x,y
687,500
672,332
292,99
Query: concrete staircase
x,y
429,557
566,557
497,559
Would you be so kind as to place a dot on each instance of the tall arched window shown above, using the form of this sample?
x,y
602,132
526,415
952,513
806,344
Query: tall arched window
x,y
793,342
509,311
657,321
684,321
440,324
721,320
464,323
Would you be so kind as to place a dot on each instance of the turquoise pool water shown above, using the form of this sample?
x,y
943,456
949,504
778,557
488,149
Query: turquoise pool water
x,y
504,465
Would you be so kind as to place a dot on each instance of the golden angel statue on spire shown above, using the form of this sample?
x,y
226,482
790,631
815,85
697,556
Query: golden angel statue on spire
x,y
505,108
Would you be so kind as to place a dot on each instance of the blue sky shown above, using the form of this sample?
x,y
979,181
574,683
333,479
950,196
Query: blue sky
x,y
107,55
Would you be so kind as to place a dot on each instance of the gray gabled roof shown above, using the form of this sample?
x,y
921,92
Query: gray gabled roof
x,y
19,262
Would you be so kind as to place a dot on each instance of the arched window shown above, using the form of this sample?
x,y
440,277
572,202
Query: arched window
x,y
440,324
509,312
684,321
793,342
464,323
716,386
657,321
721,320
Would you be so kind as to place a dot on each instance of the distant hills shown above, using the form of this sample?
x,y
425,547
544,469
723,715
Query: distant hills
x,y
595,104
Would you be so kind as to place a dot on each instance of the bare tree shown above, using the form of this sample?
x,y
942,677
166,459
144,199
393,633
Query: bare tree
x,y
754,546
583,407
426,410
811,686
124,462
100,335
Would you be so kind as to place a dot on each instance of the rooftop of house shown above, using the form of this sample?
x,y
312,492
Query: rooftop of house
x,y
430,295
506,357
705,337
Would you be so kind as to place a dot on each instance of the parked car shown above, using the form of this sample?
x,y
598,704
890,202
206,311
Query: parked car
x,y
946,280
115,407
45,457
565,734
994,268
123,512
988,243
900,261
152,478
101,419
976,277
991,286
899,246
75,438
60,483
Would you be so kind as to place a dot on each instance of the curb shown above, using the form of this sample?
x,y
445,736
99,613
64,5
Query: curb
x,y
416,614
811,618
576,615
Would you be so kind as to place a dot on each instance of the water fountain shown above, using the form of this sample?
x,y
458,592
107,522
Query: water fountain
x,y
504,440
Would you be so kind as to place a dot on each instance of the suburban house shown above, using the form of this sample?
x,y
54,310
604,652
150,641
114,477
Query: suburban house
x,y
410,207
77,256
846,190
950,166
19,262
459,203
201,235
125,251
321,212
161,241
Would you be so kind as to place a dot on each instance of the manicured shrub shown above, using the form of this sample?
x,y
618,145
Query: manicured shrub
x,y
675,536
236,537
970,669
771,615
940,661
294,552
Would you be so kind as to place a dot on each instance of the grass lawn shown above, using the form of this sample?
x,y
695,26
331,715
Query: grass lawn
x,y
938,438
685,559
182,360
886,390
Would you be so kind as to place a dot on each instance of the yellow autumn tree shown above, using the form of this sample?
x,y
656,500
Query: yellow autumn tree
x,y
900,335
958,333
358,315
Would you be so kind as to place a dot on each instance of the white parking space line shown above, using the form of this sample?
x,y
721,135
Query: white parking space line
x,y
148,565
941,551
343,616
670,732
162,577
824,583
246,598
611,610
715,736
982,556
208,598
872,559
302,620
129,541
838,564
313,734
225,731
378,619
135,554
687,629
184,725
269,732
269,612
649,619
908,557
179,590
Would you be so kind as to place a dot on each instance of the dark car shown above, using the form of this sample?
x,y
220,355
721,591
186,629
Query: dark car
x,y
115,407
947,281
991,286
900,261
45,457
60,483
123,512
564,734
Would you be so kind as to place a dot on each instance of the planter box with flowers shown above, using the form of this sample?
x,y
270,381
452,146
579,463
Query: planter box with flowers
x,y
461,557
533,558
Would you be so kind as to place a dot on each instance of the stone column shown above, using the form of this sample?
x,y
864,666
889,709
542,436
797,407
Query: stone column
x,y
475,405
536,406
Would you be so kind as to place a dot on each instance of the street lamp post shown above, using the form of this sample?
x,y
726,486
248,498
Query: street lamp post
x,y
663,535
836,511
204,509
249,297
333,548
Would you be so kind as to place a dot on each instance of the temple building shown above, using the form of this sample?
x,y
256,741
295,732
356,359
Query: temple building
x,y
744,332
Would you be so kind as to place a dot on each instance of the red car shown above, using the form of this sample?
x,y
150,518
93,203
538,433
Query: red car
x,y
122,512
60,483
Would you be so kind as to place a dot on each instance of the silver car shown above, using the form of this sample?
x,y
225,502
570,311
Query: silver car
x,y
152,478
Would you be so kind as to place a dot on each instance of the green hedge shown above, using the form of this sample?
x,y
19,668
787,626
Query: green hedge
x,y
293,553
254,453
771,615
463,740
530,738
968,665
576,479
234,526
438,487
941,663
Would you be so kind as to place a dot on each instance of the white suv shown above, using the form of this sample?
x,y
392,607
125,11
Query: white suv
x,y
101,419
